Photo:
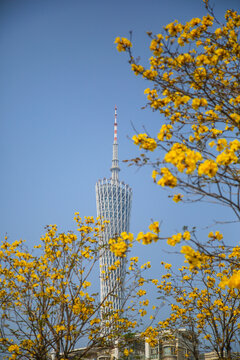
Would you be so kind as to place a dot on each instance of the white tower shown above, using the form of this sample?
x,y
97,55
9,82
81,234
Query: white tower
x,y
113,204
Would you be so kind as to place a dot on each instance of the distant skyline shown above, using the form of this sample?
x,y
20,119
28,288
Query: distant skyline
x,y
61,77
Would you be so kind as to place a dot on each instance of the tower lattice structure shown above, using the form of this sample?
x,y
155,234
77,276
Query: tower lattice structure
x,y
113,199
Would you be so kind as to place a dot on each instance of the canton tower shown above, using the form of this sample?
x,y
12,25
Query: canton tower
x,y
113,199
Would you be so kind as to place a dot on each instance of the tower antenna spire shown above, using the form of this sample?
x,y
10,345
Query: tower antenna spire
x,y
115,163
115,126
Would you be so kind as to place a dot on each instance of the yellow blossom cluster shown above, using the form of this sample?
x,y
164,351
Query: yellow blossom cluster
x,y
208,167
122,43
177,198
175,239
183,158
180,100
168,179
156,45
194,258
154,227
141,292
148,238
151,335
196,103
165,132
138,69
145,142
215,236
120,245
233,282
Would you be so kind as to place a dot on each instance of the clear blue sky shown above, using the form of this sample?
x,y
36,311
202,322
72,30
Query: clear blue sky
x,y
61,77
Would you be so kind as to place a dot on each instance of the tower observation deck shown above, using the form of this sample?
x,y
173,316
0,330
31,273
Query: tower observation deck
x,y
113,199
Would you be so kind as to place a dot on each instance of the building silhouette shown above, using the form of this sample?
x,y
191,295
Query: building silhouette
x,y
113,199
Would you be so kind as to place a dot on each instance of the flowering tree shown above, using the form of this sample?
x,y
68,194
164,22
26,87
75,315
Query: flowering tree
x,y
46,299
194,85
203,306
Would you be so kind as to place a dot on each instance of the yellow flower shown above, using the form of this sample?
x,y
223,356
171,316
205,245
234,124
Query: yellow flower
x,y
175,239
126,352
146,238
181,100
127,236
167,266
218,32
145,142
234,145
138,69
193,257
86,284
95,321
186,235
227,157
208,167
154,227
183,158
154,175
165,132
59,328
221,144
235,117
118,247
168,179
14,348
177,198
196,103
234,281
216,236
141,292
122,44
